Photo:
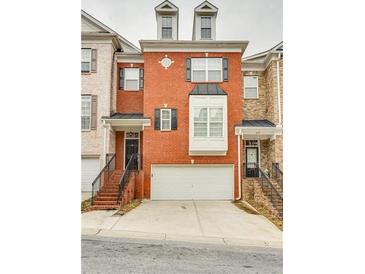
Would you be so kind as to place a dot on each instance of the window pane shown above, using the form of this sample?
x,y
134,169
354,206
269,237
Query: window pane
x,y
206,33
214,63
167,21
216,115
165,114
166,33
85,55
214,75
250,81
198,63
198,76
216,129
165,124
206,22
85,66
251,93
131,85
131,73
200,115
85,122
200,129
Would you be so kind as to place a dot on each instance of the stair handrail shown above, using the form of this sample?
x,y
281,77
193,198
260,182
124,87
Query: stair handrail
x,y
277,173
126,173
267,179
108,167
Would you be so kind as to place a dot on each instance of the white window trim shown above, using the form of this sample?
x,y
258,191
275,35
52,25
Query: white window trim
x,y
89,49
208,123
211,28
125,79
257,87
206,70
90,99
169,110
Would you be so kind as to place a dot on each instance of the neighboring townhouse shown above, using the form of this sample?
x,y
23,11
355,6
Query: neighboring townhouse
x,y
261,128
98,64
177,104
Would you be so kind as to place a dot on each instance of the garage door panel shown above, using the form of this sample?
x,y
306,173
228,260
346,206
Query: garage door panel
x,y
192,182
90,168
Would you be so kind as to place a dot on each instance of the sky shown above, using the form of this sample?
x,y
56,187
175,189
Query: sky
x,y
258,21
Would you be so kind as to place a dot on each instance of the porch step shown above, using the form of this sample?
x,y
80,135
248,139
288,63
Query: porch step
x,y
106,203
106,198
106,194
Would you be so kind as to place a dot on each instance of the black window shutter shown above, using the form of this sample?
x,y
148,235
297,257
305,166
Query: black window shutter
x,y
173,119
121,78
94,111
188,70
225,69
141,79
157,119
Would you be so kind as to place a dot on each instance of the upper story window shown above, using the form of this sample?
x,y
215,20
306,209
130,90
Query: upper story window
x,y
206,27
208,122
251,87
131,79
165,119
88,60
85,60
166,27
86,112
206,69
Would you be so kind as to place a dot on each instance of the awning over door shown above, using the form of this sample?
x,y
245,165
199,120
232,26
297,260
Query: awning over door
x,y
258,129
127,121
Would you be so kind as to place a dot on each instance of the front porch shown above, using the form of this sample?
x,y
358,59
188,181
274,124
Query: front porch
x,y
122,176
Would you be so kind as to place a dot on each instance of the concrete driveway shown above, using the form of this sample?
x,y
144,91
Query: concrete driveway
x,y
198,221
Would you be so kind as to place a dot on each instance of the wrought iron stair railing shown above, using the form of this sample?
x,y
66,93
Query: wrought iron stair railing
x,y
132,165
103,177
277,174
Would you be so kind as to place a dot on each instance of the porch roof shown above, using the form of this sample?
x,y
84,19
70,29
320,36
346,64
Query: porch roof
x,y
258,129
127,121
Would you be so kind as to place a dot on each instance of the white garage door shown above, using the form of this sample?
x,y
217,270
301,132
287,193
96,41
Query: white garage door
x,y
90,168
198,182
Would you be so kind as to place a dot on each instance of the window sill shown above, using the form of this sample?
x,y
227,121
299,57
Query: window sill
x,y
131,90
209,82
251,98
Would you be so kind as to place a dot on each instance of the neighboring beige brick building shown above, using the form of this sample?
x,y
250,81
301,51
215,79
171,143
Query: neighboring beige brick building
x,y
261,129
98,66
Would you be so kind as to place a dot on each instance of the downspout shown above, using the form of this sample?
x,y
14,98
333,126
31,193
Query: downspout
x,y
278,87
104,143
239,167
111,83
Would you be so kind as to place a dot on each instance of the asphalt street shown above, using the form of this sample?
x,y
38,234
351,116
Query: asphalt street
x,y
122,255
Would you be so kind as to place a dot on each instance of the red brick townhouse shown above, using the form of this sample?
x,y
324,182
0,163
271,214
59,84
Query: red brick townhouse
x,y
177,104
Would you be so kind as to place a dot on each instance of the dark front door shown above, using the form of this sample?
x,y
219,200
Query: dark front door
x,y
252,162
131,147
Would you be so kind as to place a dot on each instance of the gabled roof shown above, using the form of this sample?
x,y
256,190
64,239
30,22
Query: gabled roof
x,y
99,27
207,89
206,6
260,61
166,6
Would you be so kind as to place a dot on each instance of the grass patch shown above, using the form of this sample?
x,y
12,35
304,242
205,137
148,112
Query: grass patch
x,y
262,211
86,205
128,207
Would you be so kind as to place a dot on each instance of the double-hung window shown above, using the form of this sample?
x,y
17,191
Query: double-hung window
x,y
166,27
206,69
206,27
131,79
85,60
165,119
86,112
208,122
251,87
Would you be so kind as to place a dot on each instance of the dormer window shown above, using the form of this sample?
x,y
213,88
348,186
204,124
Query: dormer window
x,y
166,27
206,27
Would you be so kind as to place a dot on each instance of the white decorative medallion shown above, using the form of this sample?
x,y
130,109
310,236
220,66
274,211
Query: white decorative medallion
x,y
166,62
